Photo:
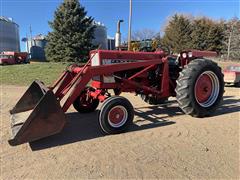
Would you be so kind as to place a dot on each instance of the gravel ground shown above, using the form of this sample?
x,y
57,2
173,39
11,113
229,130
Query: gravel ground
x,y
162,143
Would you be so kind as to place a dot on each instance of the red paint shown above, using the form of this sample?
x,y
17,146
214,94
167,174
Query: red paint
x,y
75,79
203,88
198,53
116,115
232,74
10,57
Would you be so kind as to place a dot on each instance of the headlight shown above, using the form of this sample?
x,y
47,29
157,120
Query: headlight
x,y
190,54
184,55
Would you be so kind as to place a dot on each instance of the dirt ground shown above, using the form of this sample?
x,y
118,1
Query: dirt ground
x,y
163,143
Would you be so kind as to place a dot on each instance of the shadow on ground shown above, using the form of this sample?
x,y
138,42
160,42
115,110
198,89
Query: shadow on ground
x,y
229,105
81,127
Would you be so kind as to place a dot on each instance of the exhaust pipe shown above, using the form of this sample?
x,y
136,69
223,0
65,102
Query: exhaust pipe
x,y
118,35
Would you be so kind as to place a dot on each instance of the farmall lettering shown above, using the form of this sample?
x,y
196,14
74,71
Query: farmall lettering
x,y
118,61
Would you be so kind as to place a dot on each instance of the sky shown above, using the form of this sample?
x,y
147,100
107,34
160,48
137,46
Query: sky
x,y
150,14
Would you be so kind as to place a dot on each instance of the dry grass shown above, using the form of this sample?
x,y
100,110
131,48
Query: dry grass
x,y
46,72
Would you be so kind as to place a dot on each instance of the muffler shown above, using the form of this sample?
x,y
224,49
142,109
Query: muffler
x,y
36,115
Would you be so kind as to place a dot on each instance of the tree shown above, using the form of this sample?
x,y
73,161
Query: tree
x,y
232,39
207,34
178,33
72,33
215,37
143,34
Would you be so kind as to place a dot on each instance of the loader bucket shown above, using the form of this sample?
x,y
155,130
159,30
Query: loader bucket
x,y
36,115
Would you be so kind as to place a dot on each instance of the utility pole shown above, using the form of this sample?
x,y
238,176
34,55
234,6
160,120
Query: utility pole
x,y
27,43
130,25
31,35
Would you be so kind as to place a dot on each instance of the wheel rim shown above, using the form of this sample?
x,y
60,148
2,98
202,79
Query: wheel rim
x,y
117,116
207,89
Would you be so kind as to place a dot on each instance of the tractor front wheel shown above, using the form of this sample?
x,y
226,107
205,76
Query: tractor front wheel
x,y
200,88
116,115
85,103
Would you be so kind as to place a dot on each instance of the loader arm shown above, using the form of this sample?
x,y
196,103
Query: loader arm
x,y
84,76
40,111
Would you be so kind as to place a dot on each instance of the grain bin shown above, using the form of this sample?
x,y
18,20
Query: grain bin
x,y
111,43
100,35
9,35
36,47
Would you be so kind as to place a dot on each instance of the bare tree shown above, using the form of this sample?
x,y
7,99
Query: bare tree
x,y
143,34
232,42
229,41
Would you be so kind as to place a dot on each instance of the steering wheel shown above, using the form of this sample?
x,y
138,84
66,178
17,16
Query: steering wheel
x,y
165,49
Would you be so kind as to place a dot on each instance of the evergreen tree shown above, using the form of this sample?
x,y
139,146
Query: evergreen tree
x,y
215,38
72,33
200,33
178,33
207,35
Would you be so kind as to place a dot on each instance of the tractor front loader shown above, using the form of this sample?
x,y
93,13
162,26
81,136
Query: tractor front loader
x,y
197,84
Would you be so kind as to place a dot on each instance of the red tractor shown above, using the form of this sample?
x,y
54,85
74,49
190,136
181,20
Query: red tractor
x,y
197,84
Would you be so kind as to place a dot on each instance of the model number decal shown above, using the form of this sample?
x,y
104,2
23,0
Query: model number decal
x,y
118,61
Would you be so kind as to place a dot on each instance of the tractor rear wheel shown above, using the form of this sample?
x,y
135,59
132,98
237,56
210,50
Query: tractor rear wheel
x,y
84,103
116,115
200,88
